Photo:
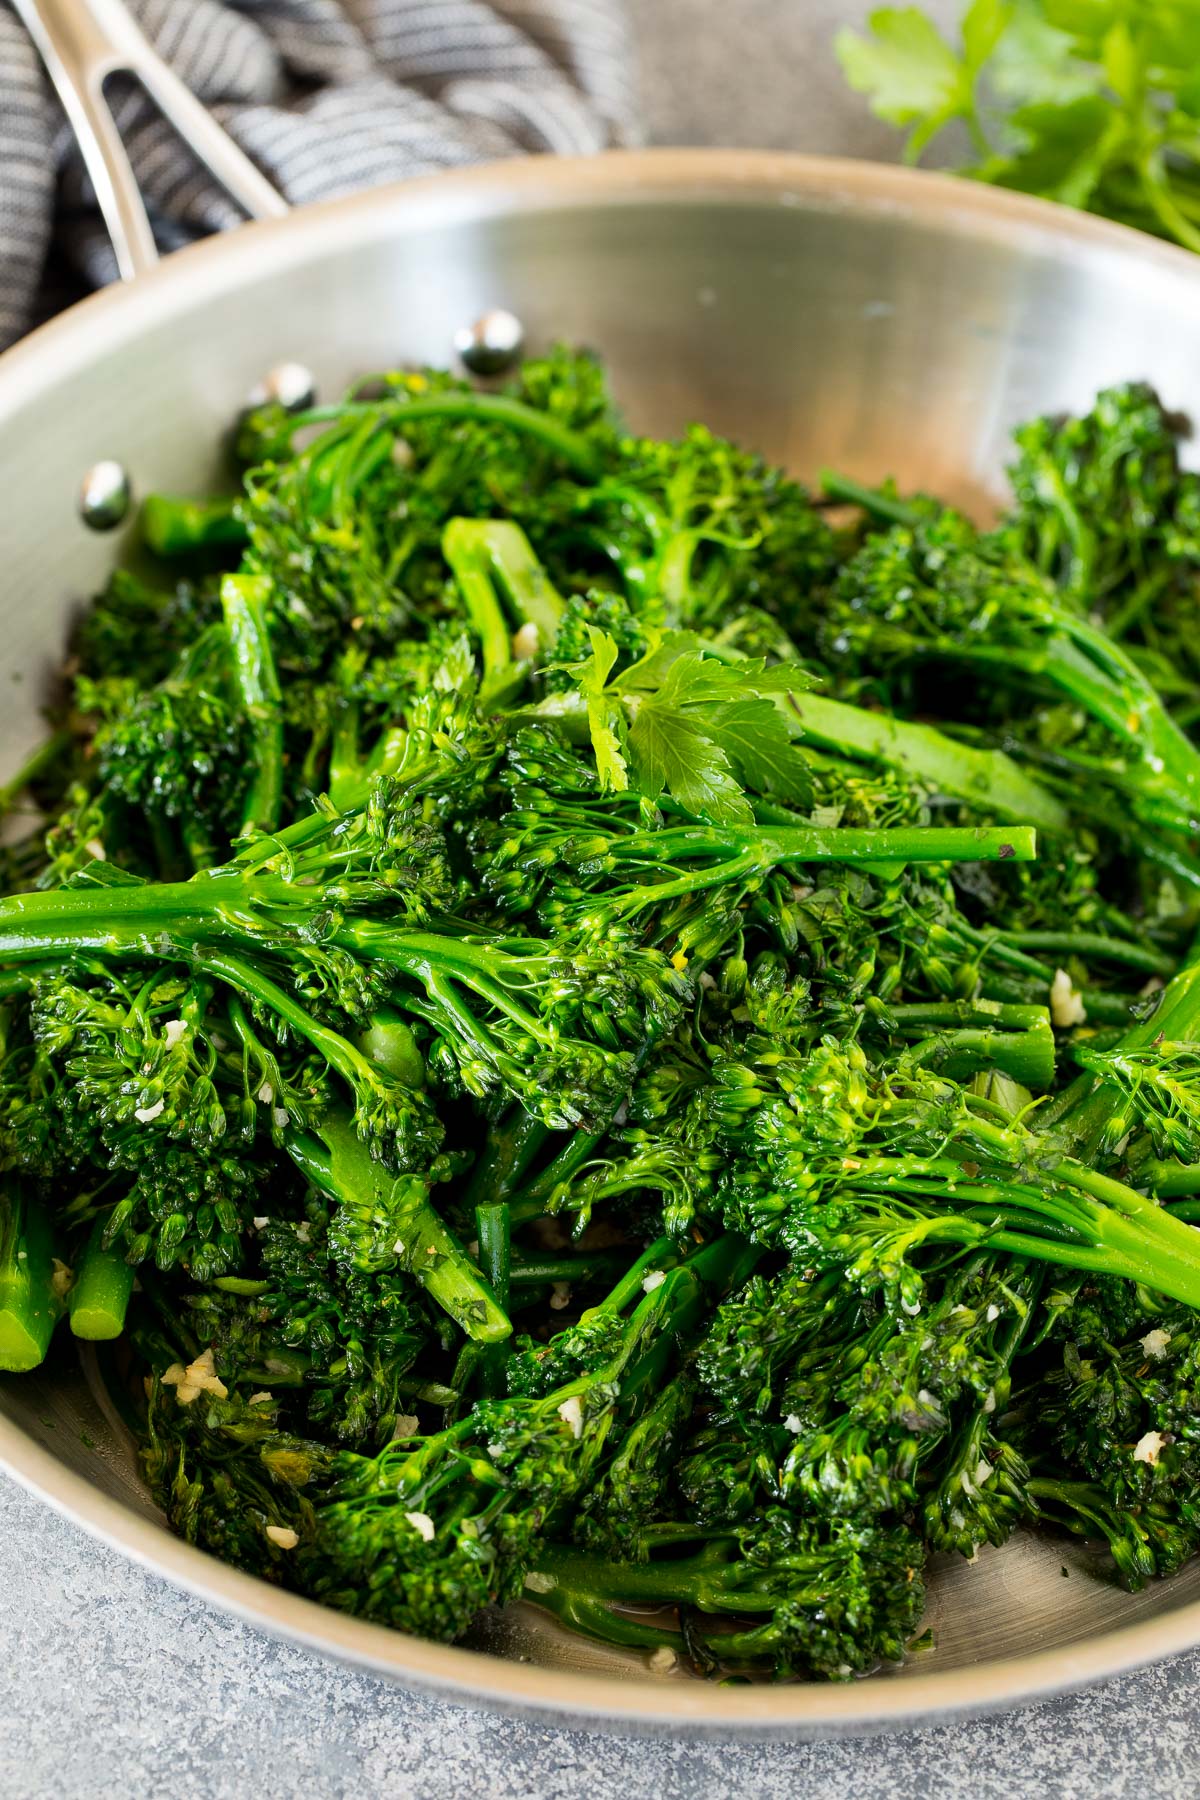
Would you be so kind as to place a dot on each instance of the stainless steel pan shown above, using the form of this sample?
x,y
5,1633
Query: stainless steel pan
x,y
823,311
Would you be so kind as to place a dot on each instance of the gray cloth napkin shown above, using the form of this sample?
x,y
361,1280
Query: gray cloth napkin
x,y
326,96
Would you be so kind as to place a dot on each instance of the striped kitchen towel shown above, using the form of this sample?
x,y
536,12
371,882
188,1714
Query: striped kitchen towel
x,y
326,96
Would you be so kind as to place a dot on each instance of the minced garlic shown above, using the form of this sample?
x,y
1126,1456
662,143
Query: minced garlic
x,y
200,1377
571,1413
1066,1002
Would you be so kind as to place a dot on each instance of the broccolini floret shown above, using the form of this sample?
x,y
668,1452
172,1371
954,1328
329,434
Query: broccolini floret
x,y
609,1038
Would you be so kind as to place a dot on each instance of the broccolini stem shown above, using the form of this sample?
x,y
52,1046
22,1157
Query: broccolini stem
x,y
873,500
512,1144
1083,662
292,1369
666,1315
389,1044
494,1230
1080,1126
996,1013
663,1253
530,1201
434,961
543,1271
668,1312
243,601
43,758
345,764
1173,1181
472,571
1141,598
338,1052
353,793
494,409
751,862
1142,957
1177,1015
31,1303
988,779
671,1581
103,1284
181,919
172,1328
385,759
1085,1509
462,1380
579,1610
1158,193
493,559
974,1034
845,844
1072,1215
335,1159
1026,1056
495,1246
175,527
998,953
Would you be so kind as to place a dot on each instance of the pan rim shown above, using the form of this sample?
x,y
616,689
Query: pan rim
x,y
216,264
220,264
591,1700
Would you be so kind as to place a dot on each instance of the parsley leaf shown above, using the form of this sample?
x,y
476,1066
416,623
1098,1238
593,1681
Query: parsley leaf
x,y
603,710
984,24
1066,150
672,754
910,73
1089,102
1033,61
693,726
754,736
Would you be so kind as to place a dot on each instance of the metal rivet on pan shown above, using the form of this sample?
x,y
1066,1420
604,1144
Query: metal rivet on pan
x,y
492,344
105,495
289,385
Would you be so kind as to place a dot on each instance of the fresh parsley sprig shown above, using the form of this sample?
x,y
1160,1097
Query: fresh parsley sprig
x,y
681,723
1094,103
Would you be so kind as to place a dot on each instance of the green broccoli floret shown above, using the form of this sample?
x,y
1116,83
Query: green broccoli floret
x,y
434,1527
606,1036
820,1598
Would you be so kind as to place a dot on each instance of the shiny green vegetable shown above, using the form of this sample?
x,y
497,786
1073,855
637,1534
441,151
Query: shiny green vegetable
x,y
605,1031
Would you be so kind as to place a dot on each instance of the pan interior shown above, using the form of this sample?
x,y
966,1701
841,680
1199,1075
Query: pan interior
x,y
820,312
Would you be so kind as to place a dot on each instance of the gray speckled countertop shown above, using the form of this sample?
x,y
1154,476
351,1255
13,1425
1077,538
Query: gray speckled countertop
x,y
117,1685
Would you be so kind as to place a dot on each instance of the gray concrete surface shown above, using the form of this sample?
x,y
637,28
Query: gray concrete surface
x,y
115,1685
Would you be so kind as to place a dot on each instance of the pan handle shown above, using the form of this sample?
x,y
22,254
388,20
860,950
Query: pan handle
x,y
83,43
